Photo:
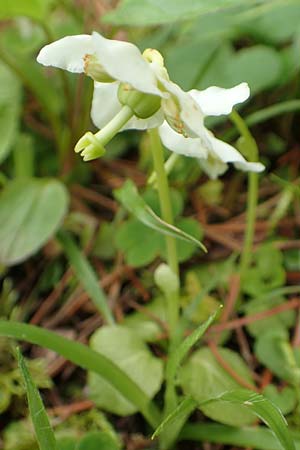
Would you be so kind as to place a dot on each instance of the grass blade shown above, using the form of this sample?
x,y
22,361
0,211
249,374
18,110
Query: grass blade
x,y
249,437
40,420
88,359
266,411
86,275
179,354
179,415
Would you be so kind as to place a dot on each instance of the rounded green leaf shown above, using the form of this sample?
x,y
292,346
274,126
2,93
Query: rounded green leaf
x,y
31,211
260,66
122,346
203,378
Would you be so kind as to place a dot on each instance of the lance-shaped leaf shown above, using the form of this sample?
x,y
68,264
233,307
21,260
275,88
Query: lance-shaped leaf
x,y
86,275
40,420
266,411
129,197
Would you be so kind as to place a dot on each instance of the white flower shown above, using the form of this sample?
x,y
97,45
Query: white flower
x,y
212,153
111,62
118,67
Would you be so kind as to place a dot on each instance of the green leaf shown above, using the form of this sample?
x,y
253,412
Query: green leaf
x,y
86,275
267,273
10,102
179,415
40,420
203,378
97,440
274,350
131,233
181,352
277,25
285,399
250,437
128,239
66,443
35,9
143,322
31,210
122,346
86,358
282,320
154,12
266,411
129,197
260,66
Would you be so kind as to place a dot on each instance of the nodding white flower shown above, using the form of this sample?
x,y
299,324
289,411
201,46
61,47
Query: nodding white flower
x,y
114,64
125,77
212,153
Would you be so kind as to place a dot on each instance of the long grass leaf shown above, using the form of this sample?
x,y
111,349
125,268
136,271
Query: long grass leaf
x,y
40,420
86,275
266,411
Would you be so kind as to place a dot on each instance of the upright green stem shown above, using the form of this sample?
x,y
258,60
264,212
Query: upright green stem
x,y
252,194
173,297
164,196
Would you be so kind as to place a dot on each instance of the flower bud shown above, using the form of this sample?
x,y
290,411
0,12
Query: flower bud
x,y
143,105
166,279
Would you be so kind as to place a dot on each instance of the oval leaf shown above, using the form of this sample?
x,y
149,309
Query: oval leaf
x,y
31,210
203,378
122,346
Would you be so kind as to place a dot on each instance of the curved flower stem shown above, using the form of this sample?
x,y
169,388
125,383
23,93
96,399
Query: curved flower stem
x,y
164,195
252,194
114,126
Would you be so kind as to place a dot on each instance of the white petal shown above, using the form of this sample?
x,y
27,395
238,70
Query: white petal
x,y
215,101
213,167
105,104
227,153
189,112
179,144
144,124
123,61
67,53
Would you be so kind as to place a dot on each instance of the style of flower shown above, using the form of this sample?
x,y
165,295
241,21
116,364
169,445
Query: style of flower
x,y
212,153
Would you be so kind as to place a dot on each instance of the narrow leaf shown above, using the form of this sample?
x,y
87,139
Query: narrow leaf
x,y
40,420
86,358
179,354
180,414
85,275
266,411
258,437
129,197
